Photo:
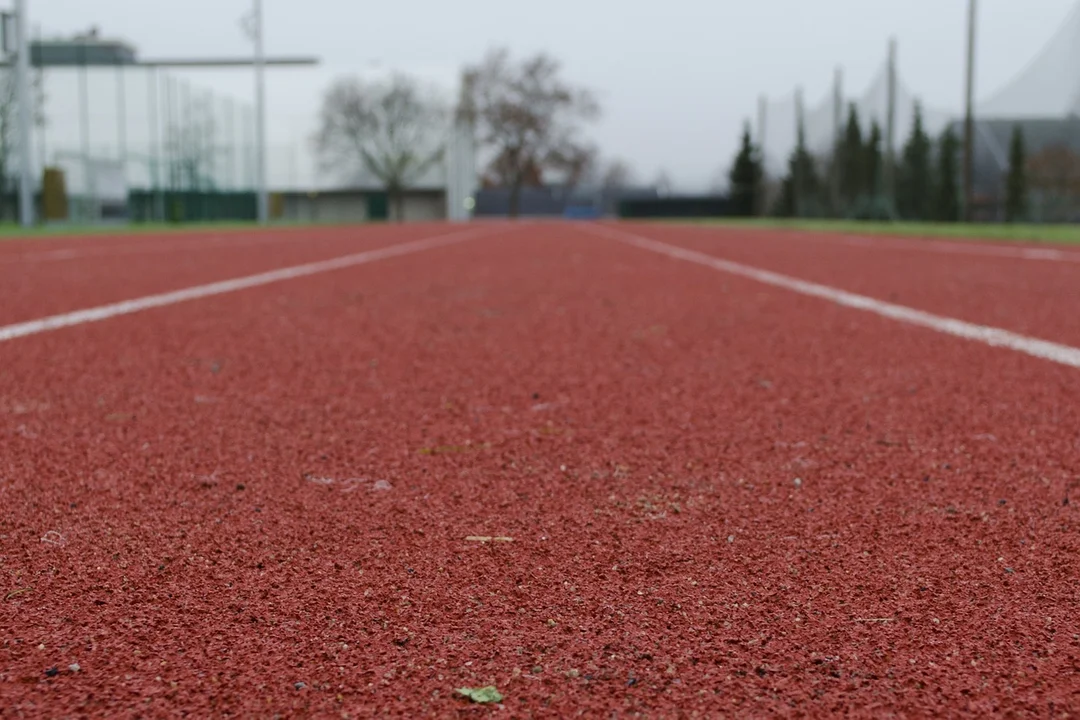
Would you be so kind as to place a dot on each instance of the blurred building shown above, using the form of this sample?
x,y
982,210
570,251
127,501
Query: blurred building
x,y
361,204
559,201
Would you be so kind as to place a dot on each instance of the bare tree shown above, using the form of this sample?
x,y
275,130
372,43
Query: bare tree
x,y
617,175
528,118
502,169
576,165
394,131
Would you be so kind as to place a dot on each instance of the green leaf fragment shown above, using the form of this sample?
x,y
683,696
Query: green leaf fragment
x,y
481,695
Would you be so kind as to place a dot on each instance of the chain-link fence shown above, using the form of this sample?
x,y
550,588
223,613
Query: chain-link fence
x,y
117,130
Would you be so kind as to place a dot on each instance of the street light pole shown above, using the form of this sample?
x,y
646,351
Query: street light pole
x,y
263,200
23,120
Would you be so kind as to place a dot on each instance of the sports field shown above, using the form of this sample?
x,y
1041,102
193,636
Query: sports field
x,y
611,470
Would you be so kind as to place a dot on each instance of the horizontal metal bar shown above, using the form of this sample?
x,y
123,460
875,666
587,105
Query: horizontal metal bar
x,y
188,63
228,62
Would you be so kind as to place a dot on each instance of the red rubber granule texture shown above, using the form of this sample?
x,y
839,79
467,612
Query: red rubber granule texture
x,y
61,276
725,499
1033,297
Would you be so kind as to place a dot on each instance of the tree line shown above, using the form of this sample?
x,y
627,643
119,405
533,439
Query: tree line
x,y
853,180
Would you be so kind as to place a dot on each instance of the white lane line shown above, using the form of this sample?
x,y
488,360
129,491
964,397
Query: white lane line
x,y
126,307
943,247
995,337
950,248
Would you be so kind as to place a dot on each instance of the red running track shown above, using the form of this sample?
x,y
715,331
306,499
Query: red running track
x,y
54,276
1033,290
724,497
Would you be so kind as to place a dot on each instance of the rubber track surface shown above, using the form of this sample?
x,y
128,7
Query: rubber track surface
x,y
724,498
54,276
1034,297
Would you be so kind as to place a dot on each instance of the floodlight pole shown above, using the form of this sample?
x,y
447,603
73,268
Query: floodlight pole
x,y
24,101
263,200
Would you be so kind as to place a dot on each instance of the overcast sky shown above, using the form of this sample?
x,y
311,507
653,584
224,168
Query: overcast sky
x,y
677,78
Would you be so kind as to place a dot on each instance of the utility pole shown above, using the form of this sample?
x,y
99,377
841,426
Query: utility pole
x,y
969,117
263,200
25,103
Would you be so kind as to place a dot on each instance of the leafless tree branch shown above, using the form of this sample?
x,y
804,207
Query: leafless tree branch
x,y
393,130
529,120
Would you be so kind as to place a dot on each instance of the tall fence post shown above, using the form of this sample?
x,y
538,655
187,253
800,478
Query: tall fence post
x,y
90,200
838,131
169,134
798,180
969,117
40,118
121,119
230,147
762,120
889,184
157,208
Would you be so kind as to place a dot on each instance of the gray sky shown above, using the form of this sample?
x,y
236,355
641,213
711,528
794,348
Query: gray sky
x,y
677,78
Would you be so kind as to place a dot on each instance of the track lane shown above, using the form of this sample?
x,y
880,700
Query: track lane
x,y
1028,251
101,275
1029,297
56,248
634,423
987,335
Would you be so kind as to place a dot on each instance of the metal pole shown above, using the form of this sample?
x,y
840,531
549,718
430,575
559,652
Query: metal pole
x,y
263,202
455,201
248,147
763,108
121,117
155,145
450,160
230,134
90,201
838,131
213,140
889,184
969,117
26,137
41,120
121,124
187,141
292,165
206,127
800,138
170,129
838,104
